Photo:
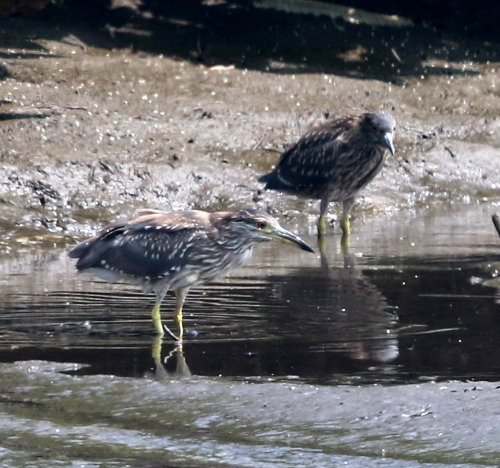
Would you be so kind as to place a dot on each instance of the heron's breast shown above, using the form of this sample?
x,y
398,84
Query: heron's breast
x,y
353,177
227,261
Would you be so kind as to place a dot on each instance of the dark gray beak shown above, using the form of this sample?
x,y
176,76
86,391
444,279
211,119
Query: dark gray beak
x,y
286,237
388,140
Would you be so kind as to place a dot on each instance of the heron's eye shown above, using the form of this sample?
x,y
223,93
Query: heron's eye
x,y
261,225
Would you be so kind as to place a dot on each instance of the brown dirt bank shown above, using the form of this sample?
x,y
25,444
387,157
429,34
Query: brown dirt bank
x,y
96,122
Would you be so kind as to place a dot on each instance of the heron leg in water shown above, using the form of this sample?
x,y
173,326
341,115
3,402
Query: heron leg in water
x,y
180,295
345,224
156,350
323,208
156,316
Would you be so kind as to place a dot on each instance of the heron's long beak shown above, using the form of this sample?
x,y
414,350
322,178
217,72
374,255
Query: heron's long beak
x,y
388,140
286,237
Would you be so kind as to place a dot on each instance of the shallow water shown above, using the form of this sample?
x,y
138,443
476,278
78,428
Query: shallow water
x,y
414,299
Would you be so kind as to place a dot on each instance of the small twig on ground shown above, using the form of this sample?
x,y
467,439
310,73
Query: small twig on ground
x,y
258,143
452,154
38,109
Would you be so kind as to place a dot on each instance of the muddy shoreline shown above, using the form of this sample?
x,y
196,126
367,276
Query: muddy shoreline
x,y
183,423
95,125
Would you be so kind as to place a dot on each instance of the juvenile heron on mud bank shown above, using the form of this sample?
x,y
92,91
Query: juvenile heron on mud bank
x,y
334,161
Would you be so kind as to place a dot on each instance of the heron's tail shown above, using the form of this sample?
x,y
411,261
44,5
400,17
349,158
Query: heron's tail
x,y
266,178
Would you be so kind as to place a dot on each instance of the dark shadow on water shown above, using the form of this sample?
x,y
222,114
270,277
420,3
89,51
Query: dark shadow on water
x,y
448,295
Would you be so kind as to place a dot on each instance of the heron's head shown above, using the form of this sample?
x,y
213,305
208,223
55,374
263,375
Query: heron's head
x,y
252,225
381,125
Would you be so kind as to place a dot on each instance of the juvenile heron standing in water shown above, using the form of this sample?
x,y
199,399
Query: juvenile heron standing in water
x,y
334,161
161,251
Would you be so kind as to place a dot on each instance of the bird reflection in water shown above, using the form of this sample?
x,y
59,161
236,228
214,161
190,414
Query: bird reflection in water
x,y
325,311
173,365
339,306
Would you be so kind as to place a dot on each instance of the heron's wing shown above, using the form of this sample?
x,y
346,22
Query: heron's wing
x,y
313,160
159,220
148,246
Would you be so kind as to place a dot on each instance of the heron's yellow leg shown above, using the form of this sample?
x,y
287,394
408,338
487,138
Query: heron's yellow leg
x,y
321,225
155,315
345,224
180,295
345,242
322,245
178,321
156,349
323,208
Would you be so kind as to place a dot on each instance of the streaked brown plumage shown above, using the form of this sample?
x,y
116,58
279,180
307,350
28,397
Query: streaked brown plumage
x,y
162,251
334,161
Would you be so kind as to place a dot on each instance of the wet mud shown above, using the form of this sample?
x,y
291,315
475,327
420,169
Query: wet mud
x,y
124,422
96,122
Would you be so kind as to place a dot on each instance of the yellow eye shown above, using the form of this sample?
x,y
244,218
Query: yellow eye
x,y
261,225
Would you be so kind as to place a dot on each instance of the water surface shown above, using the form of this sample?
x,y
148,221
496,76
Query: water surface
x,y
284,360
414,299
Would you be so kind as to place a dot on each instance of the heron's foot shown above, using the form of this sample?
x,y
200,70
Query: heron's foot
x,y
321,226
161,372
